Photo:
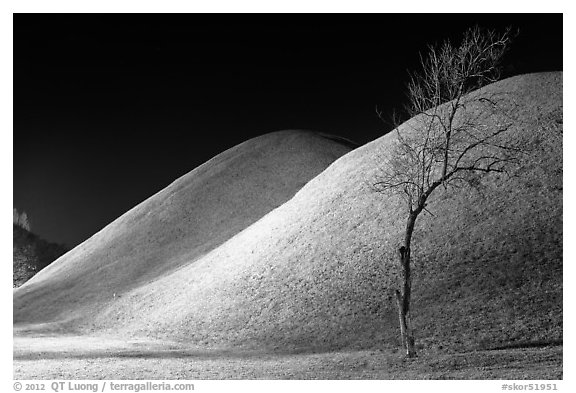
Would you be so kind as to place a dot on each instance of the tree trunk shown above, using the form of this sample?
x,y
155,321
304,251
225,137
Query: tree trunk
x,y
403,295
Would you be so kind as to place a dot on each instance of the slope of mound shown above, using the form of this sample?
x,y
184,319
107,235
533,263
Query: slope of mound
x,y
31,254
179,224
319,271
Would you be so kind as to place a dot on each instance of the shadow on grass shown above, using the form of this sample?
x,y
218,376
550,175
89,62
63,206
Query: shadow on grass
x,y
135,354
528,344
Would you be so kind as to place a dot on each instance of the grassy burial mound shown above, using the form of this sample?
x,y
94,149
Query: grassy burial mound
x,y
177,226
319,271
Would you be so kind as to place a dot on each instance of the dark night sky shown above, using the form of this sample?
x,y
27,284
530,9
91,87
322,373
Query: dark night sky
x,y
110,109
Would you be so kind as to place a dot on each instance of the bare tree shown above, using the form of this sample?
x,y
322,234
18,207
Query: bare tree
x,y
448,138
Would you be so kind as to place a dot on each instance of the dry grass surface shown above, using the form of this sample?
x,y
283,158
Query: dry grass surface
x,y
315,275
178,225
97,357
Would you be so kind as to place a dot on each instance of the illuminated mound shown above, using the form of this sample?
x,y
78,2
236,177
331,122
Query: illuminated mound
x,y
178,225
318,272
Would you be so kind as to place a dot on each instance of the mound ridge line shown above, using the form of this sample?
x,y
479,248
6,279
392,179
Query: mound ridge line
x,y
317,273
177,225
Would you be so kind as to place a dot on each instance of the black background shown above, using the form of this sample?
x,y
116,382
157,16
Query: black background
x,y
109,109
